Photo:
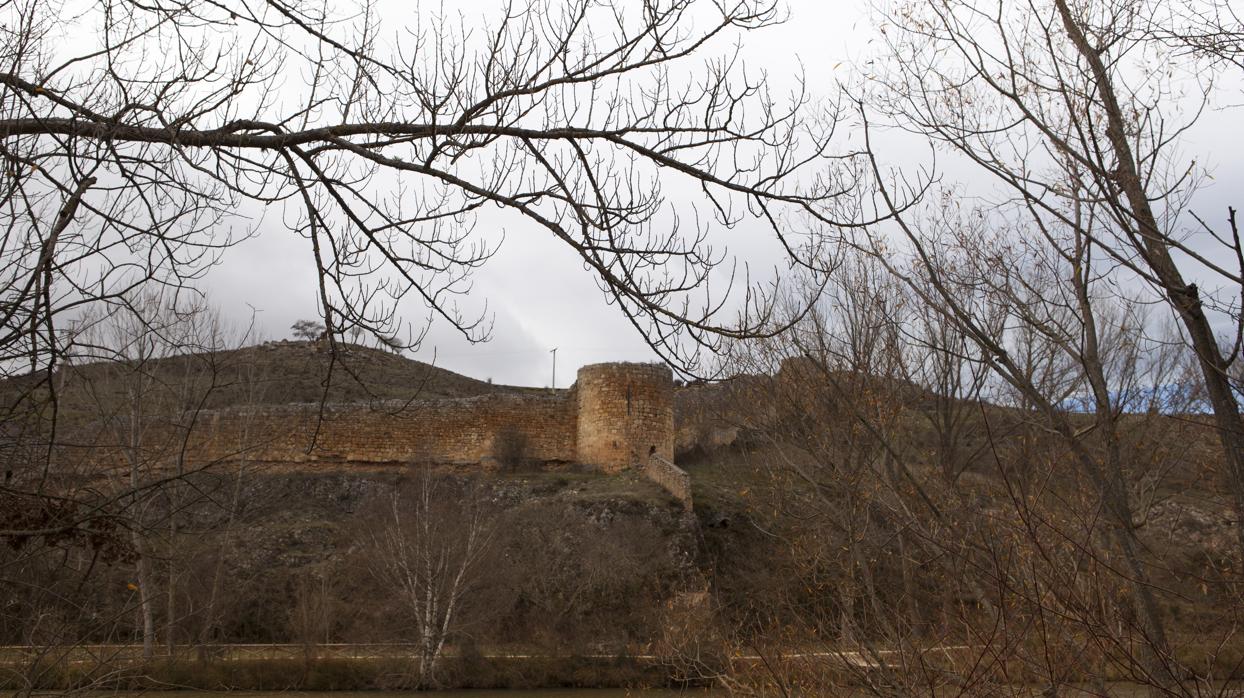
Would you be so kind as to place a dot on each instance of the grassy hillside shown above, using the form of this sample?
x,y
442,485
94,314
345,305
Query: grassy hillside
x,y
270,373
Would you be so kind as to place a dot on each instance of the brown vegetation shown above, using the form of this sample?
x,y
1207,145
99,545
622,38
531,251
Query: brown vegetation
x,y
989,438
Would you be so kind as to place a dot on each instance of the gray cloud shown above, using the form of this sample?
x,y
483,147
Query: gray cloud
x,y
536,289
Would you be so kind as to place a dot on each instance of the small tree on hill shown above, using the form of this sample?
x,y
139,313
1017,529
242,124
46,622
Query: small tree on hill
x,y
307,330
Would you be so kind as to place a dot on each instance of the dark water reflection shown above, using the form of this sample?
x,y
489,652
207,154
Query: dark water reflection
x,y
1112,691
536,693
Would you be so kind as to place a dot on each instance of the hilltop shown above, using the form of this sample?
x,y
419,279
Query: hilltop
x,y
272,373
292,371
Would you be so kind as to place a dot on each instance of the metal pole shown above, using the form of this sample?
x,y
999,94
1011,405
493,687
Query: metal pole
x,y
554,353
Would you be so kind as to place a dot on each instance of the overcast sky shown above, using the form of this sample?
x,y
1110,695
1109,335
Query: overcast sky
x,y
536,289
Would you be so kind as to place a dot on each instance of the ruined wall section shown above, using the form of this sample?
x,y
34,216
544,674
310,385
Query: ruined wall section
x,y
446,431
671,478
626,414
617,417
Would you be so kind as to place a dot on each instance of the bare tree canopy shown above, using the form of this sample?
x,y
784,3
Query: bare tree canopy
x,y
982,437
138,138
1077,112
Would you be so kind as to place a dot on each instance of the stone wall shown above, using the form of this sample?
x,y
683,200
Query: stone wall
x,y
615,417
466,431
672,478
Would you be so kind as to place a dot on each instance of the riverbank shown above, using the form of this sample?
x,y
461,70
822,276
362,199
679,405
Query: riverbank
x,y
314,673
394,667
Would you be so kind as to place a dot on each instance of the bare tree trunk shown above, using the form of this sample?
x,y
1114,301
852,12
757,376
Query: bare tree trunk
x,y
1156,649
210,613
430,555
146,613
1182,296
170,610
146,590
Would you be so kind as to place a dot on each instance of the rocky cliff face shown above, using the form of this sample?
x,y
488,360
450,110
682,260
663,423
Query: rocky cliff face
x,y
570,559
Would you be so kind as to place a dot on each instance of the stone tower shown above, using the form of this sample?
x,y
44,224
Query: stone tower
x,y
626,413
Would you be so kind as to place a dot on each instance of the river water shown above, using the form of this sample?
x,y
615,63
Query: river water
x,y
541,693
1113,691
